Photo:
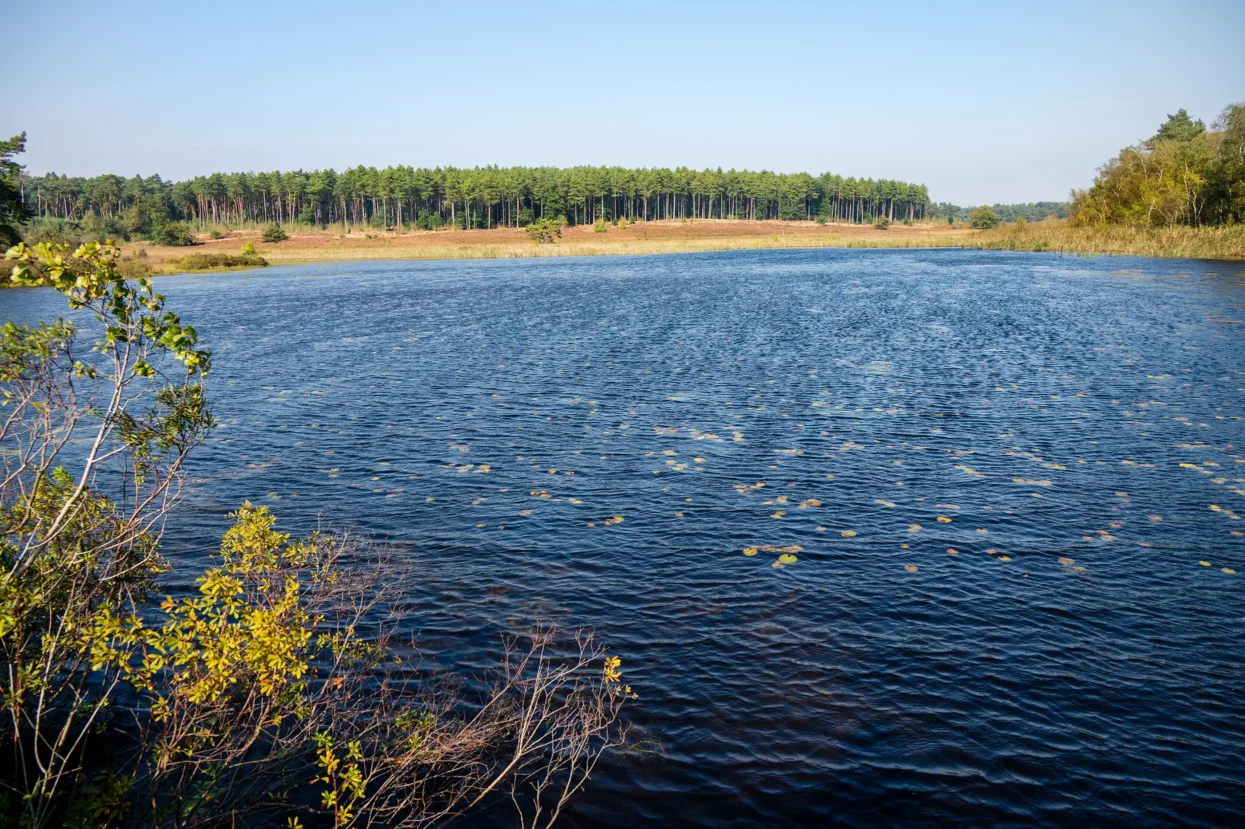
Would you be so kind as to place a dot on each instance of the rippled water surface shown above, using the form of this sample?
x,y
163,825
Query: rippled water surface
x,y
1015,480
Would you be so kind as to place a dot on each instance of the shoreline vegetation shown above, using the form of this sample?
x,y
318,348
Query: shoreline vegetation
x,y
681,236
302,246
288,684
1178,194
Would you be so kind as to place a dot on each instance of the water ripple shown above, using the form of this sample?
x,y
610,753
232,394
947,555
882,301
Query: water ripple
x,y
1079,431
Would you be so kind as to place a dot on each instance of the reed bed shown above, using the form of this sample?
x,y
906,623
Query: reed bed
x,y
1226,242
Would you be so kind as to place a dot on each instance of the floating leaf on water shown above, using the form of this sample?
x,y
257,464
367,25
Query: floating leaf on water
x,y
848,533
953,551
525,512
778,514
788,558
1067,562
992,552
914,528
982,530
942,519
1156,518
1228,570
790,548
1031,482
911,568
1005,558
884,502
750,551
820,529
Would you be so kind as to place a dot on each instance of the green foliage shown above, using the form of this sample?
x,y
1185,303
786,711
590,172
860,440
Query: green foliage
x,y
214,708
73,232
72,556
430,220
790,211
248,248
174,234
13,209
983,218
1182,175
209,261
1178,127
135,267
1030,211
882,223
600,226
1226,190
482,197
544,231
274,233
216,234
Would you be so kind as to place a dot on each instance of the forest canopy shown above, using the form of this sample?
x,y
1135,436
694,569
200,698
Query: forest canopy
x,y
482,197
1182,175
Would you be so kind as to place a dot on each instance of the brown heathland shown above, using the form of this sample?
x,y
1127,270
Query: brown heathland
x,y
639,238
312,245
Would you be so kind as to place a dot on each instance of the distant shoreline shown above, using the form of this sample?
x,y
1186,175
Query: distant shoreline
x,y
704,235
141,258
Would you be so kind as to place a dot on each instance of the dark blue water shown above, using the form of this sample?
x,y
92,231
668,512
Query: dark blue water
x,y
1079,421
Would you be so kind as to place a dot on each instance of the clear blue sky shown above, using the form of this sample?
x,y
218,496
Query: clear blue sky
x,y
983,102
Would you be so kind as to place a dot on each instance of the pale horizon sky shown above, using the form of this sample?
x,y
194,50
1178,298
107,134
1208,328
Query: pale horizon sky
x,y
982,102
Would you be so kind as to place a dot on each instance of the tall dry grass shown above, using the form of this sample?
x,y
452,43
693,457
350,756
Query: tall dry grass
x,y
1175,242
1226,242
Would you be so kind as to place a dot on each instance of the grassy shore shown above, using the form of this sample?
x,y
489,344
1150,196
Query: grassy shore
x,y
1169,242
317,245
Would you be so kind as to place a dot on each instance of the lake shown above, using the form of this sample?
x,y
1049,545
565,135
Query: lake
x,y
1003,473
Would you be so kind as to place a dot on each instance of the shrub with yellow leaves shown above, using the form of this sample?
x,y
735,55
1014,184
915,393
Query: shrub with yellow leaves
x,y
227,704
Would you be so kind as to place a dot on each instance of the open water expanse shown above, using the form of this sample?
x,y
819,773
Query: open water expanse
x,y
1015,482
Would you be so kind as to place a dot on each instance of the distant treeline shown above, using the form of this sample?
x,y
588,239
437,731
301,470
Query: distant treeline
x,y
1182,175
482,197
1030,211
